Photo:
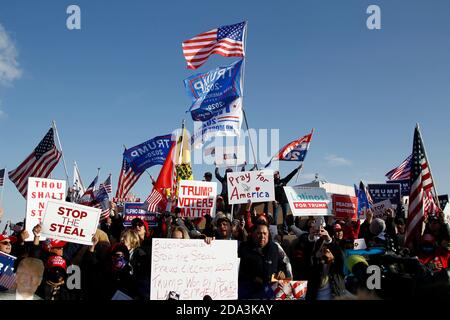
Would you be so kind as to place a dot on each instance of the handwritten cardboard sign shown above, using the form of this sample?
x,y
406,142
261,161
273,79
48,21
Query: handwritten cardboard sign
x,y
41,190
70,222
306,201
197,198
257,186
194,269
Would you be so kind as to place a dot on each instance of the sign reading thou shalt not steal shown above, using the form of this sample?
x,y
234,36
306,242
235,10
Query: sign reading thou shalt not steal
x,y
256,186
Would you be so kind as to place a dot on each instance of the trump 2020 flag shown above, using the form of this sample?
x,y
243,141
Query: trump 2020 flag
x,y
214,90
294,151
227,41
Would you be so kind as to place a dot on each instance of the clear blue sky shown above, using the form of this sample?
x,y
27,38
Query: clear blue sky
x,y
119,80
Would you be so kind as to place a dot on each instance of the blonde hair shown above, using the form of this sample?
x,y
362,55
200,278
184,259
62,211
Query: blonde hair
x,y
32,263
180,229
131,237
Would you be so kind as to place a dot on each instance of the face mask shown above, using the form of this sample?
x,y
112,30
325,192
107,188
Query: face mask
x,y
119,263
428,249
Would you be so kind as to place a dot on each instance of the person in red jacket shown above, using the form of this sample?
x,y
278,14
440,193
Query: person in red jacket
x,y
434,258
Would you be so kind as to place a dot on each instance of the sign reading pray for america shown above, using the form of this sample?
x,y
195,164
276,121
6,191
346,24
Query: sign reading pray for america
x,y
256,186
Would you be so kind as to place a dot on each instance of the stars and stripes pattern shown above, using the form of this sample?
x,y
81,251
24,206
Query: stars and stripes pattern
x,y
294,151
153,200
101,201
402,172
8,279
40,163
227,41
88,197
107,185
2,177
421,188
291,290
127,179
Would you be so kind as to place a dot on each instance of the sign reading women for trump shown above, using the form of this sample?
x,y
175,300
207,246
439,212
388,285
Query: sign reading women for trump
x,y
194,269
41,190
213,90
256,186
149,153
197,198
308,201
70,222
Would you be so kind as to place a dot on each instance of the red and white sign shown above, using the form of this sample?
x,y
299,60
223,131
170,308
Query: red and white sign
x,y
197,198
41,190
345,206
257,186
70,222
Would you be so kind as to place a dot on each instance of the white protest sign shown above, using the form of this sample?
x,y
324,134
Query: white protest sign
x,y
306,201
70,222
379,209
40,190
197,198
359,244
194,269
447,213
256,186
229,156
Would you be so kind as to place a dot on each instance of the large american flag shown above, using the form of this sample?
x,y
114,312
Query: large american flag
x,y
421,188
127,179
227,41
402,172
2,177
39,163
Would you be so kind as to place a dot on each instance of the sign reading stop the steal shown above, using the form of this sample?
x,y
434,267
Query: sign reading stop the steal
x,y
70,222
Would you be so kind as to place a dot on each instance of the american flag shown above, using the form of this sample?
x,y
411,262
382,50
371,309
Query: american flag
x,y
127,179
153,200
106,185
2,177
421,187
88,197
402,172
7,279
101,201
39,163
227,41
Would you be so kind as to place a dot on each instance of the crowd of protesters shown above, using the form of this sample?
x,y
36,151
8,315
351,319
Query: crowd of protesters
x,y
317,249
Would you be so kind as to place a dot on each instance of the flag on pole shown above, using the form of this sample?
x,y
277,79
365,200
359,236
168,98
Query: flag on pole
x,y
78,186
88,197
183,157
101,201
127,179
2,177
294,151
364,198
402,172
163,185
422,187
40,163
227,41
107,185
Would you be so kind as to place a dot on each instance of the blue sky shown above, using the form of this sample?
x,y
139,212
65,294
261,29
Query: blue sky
x,y
310,64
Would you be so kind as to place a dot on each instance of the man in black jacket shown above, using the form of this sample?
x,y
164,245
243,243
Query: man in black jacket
x,y
280,197
260,263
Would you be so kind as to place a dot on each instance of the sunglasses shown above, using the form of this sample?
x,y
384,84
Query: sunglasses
x,y
5,242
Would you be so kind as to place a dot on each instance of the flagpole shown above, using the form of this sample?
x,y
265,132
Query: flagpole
x,y
301,165
429,167
62,153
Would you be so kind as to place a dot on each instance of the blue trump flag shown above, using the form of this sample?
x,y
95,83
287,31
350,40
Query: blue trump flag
x,y
213,90
149,153
364,199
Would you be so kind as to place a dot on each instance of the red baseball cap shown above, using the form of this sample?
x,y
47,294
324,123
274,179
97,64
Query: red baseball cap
x,y
56,262
4,237
337,227
53,243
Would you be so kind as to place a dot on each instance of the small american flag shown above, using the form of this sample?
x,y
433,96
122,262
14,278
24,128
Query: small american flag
x,y
152,201
88,197
106,184
40,163
2,177
7,279
101,201
402,172
127,179
227,41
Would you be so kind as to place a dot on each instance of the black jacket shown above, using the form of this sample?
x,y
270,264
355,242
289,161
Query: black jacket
x,y
280,195
257,267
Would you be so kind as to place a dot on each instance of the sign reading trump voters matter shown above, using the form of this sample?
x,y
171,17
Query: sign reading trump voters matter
x,y
70,222
256,186
308,201
197,198
40,190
